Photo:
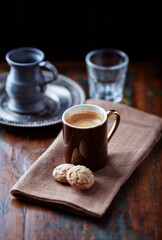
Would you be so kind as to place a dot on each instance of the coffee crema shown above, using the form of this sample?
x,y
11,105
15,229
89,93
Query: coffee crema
x,y
84,119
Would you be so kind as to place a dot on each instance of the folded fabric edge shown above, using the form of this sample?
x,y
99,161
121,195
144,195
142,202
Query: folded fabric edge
x,y
51,203
131,109
51,146
143,157
72,207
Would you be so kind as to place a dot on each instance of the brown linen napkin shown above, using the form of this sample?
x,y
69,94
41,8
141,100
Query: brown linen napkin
x,y
138,132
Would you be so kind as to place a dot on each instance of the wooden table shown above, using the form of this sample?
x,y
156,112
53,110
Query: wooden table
x,y
135,213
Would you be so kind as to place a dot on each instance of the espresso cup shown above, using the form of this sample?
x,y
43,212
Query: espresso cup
x,y
85,135
25,83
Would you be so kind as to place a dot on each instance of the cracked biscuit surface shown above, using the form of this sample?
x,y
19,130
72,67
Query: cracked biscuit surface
x,y
60,172
80,177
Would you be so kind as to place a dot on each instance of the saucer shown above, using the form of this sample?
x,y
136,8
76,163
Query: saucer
x,y
59,95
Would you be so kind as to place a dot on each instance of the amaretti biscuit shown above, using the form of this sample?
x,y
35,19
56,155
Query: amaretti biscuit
x,y
60,172
80,177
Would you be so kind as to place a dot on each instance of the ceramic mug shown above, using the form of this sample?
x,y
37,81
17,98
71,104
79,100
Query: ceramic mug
x,y
25,83
85,135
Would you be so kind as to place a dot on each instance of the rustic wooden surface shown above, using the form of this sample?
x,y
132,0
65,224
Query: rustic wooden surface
x,y
135,213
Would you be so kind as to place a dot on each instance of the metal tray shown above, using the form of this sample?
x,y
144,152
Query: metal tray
x,y
59,95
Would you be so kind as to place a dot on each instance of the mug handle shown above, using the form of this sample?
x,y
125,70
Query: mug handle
x,y
52,68
115,124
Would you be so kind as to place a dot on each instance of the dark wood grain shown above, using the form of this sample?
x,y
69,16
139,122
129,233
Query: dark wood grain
x,y
135,212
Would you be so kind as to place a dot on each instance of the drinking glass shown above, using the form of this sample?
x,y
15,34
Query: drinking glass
x,y
107,70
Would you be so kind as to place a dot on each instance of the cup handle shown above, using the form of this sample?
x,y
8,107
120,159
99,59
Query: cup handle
x,y
52,68
115,124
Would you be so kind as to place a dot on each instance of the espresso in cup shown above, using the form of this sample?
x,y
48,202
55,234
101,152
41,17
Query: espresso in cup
x,y
85,135
85,119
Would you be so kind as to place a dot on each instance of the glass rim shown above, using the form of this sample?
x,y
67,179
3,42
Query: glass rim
x,y
117,66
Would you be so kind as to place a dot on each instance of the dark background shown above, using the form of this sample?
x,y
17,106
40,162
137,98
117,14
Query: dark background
x,y
68,30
